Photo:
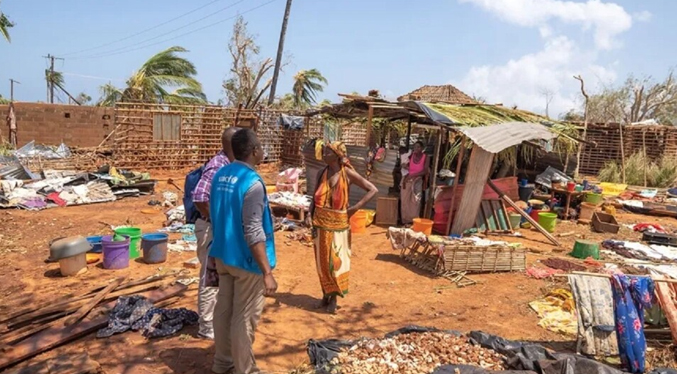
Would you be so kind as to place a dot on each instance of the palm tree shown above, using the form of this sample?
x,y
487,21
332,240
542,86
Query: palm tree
x,y
152,81
307,83
5,25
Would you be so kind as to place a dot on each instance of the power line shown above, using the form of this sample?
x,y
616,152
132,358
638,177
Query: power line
x,y
142,31
175,37
176,29
93,77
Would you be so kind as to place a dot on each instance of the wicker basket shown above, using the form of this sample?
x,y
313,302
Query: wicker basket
x,y
481,259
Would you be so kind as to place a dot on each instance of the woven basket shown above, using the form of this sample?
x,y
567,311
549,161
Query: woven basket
x,y
493,258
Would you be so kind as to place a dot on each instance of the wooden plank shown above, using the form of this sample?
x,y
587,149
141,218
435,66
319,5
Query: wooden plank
x,y
457,180
92,303
427,211
55,335
63,364
478,172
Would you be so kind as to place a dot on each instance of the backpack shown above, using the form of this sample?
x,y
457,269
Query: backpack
x,y
192,179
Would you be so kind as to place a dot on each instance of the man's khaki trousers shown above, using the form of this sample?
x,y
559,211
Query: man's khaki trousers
x,y
239,305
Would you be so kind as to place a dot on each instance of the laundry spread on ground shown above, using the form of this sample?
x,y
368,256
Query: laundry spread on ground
x,y
138,314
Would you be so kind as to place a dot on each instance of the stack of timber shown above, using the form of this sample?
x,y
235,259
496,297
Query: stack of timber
x,y
50,323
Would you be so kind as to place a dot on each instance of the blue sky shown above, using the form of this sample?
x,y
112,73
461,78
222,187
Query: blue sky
x,y
509,51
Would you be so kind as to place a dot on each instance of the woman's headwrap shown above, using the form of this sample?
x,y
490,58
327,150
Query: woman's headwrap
x,y
340,149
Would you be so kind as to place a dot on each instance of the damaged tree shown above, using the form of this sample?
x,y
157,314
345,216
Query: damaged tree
x,y
248,80
585,123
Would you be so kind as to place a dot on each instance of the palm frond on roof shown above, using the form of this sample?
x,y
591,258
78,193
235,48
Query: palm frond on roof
x,y
445,94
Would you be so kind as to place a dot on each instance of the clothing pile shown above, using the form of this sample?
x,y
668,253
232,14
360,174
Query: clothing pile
x,y
138,314
639,251
557,312
290,199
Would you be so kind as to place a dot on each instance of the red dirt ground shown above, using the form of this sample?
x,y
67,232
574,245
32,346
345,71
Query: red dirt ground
x,y
385,293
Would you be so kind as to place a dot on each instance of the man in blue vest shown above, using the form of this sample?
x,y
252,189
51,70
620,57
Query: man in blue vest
x,y
244,249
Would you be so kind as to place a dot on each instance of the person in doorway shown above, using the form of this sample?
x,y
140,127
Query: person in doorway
x,y
411,191
206,298
244,251
330,213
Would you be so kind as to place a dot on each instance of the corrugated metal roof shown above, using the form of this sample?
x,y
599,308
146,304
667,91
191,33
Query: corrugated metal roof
x,y
496,138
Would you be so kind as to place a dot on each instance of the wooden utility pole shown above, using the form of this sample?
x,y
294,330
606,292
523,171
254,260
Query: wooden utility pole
x,y
585,125
280,49
50,77
11,88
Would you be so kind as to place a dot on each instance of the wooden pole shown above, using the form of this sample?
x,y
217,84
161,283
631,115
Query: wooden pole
x,y
436,159
280,49
459,163
408,132
599,275
80,313
370,118
620,131
522,213
646,161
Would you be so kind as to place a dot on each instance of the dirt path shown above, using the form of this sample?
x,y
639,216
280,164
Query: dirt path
x,y
385,292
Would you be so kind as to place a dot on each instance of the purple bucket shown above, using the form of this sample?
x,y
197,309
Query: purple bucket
x,y
115,254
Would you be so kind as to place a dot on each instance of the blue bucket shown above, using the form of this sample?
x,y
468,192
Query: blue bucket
x,y
154,247
95,241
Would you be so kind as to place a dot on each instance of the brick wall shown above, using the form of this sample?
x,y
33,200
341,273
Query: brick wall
x,y
52,124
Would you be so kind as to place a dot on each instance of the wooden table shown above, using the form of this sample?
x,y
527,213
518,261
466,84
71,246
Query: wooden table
x,y
301,211
569,195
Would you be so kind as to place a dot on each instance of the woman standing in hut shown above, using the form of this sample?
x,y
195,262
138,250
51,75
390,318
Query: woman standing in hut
x,y
411,191
330,213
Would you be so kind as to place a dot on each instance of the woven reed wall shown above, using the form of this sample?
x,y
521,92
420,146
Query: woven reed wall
x,y
659,141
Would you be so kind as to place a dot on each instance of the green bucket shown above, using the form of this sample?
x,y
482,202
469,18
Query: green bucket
x,y
593,198
547,220
585,248
134,234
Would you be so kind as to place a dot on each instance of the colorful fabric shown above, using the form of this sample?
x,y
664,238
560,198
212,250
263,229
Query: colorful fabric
x,y
411,194
667,296
319,143
204,186
340,149
332,235
631,296
556,311
595,306
416,167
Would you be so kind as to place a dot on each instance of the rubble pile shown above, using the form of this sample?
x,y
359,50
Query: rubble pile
x,y
415,353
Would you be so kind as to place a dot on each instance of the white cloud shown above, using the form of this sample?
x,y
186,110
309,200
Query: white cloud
x,y
523,81
608,20
643,16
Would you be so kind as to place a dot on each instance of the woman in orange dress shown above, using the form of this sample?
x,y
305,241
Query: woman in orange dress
x,y
330,213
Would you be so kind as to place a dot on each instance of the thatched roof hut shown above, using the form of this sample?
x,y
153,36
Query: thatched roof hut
x,y
445,94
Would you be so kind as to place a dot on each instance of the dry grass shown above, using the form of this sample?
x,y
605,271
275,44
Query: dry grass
x,y
659,174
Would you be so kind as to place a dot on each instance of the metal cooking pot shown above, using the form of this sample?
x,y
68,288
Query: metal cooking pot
x,y
68,247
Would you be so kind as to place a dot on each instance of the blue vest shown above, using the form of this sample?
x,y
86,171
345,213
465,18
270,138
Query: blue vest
x,y
229,186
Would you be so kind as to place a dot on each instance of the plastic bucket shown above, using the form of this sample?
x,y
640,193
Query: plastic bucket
x,y
115,254
587,210
571,186
534,214
154,248
547,220
525,192
134,234
593,198
515,220
95,241
423,225
358,222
